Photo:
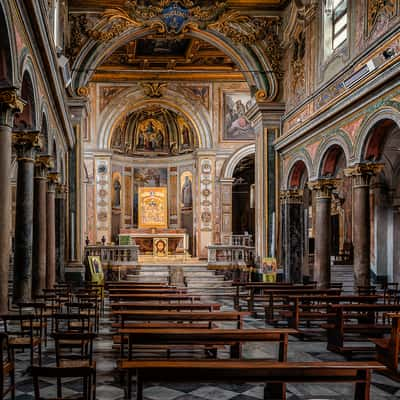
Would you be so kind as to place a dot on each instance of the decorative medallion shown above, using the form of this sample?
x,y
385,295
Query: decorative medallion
x,y
206,192
102,193
206,217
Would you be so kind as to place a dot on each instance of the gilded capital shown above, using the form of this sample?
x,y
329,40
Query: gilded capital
x,y
324,187
10,103
27,144
46,161
362,173
294,196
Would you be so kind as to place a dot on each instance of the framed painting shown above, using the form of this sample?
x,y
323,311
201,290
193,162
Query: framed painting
x,y
96,269
235,124
153,207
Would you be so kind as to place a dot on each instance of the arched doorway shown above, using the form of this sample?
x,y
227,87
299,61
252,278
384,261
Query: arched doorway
x,y
243,197
383,147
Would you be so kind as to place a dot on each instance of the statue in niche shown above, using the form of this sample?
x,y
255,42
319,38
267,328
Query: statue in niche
x,y
187,198
140,143
117,194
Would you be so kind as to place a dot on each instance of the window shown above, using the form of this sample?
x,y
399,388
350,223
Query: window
x,y
334,25
339,22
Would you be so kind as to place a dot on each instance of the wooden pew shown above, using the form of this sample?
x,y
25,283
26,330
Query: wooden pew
x,y
275,298
361,319
202,337
132,305
152,296
248,289
181,316
387,349
314,308
128,290
238,371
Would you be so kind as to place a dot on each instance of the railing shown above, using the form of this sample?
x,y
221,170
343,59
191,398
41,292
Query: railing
x,y
230,255
114,255
239,240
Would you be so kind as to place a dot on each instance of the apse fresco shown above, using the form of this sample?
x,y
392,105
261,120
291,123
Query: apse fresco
x,y
153,132
236,124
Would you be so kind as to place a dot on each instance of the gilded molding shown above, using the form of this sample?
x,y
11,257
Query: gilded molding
x,y
153,89
82,91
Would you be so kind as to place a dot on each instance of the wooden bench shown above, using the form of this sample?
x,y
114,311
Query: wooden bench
x,y
313,308
360,319
276,373
152,296
387,349
143,290
201,337
275,299
132,305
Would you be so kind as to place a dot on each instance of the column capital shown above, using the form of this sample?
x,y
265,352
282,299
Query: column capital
x,y
292,196
363,172
43,164
324,187
10,103
53,179
61,191
26,144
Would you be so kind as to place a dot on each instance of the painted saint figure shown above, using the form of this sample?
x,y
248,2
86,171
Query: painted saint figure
x,y
187,198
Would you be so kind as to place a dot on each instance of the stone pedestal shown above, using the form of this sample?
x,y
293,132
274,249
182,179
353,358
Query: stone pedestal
x,y
322,256
26,145
361,175
9,105
292,222
51,230
43,163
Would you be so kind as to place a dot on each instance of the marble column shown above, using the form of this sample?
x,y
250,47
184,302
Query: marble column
x,y
61,207
43,164
292,222
26,145
10,103
51,230
361,175
322,256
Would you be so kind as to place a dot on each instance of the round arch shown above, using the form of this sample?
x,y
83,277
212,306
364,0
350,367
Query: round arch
x,y
29,116
233,161
327,153
94,52
8,49
132,99
366,130
302,158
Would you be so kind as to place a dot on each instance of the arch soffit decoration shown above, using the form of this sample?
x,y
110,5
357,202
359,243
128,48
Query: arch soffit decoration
x,y
302,157
134,101
365,130
235,158
94,52
27,67
338,138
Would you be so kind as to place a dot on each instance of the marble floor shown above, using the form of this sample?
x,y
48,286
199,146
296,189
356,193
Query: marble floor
x,y
109,386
